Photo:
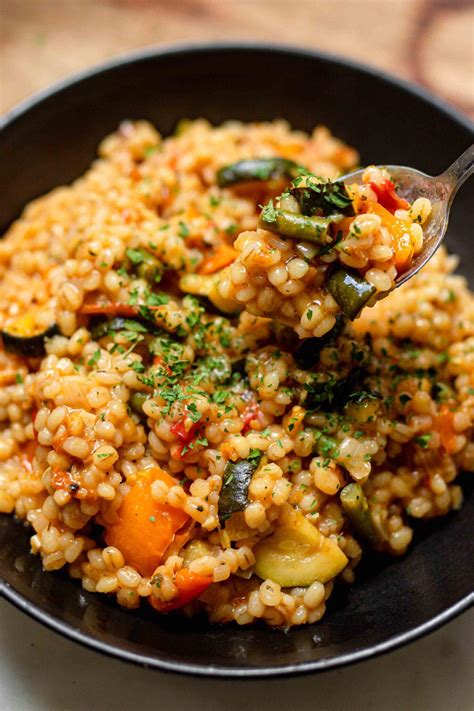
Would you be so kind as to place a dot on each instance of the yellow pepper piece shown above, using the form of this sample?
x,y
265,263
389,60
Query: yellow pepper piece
x,y
403,240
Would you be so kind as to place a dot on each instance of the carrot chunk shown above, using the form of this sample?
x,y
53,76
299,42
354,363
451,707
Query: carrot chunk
x,y
222,257
445,427
145,528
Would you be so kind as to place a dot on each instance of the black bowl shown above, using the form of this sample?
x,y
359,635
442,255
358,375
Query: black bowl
x,y
51,139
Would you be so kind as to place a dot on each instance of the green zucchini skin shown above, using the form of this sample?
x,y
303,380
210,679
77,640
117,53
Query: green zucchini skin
x,y
103,328
261,169
150,268
28,346
234,493
350,291
355,504
137,400
298,227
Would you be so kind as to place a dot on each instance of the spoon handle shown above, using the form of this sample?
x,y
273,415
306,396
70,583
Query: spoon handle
x,y
459,171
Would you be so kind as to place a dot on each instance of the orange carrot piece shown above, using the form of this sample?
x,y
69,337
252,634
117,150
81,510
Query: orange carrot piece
x,y
190,586
7,377
108,310
222,257
145,528
445,427
345,224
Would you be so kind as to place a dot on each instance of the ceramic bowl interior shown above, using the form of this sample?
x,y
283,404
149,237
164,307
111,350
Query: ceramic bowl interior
x,y
50,140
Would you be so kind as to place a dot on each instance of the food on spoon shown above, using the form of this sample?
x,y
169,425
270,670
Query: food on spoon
x,y
322,248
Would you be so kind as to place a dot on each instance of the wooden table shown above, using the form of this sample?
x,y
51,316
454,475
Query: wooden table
x,y
427,41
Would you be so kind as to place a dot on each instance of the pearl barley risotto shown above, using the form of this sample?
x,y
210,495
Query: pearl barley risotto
x,y
201,408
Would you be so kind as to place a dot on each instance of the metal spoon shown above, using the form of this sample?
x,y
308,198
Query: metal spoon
x,y
440,189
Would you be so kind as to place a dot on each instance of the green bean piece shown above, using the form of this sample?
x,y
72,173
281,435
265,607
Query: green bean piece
x,y
261,169
350,291
296,226
137,400
355,504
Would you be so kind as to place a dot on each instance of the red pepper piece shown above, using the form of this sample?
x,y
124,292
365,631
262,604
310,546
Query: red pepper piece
x,y
250,413
190,586
387,196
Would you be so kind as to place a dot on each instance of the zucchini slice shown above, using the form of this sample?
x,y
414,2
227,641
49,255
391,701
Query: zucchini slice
x,y
137,401
260,169
297,554
355,504
350,291
23,337
236,481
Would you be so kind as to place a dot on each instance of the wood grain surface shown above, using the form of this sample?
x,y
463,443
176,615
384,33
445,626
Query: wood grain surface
x,y
430,42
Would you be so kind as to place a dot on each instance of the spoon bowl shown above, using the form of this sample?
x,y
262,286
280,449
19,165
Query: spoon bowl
x,y
440,190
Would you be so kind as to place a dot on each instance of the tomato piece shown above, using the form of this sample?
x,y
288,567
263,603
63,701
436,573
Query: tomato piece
x,y
182,433
190,586
387,196
250,413
185,436
158,360
145,528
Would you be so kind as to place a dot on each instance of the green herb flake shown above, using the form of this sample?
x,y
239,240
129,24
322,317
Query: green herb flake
x,y
104,455
94,358
423,440
183,230
149,151
136,256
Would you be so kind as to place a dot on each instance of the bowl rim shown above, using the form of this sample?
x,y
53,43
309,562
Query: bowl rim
x,y
171,48
238,672
202,670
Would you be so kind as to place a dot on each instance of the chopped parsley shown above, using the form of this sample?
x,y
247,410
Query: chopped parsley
x,y
423,440
183,230
136,256
94,358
